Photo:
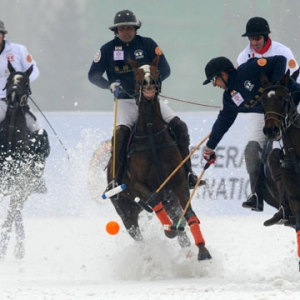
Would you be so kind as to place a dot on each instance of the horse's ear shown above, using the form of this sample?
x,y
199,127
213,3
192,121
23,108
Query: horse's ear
x,y
155,61
295,74
29,71
133,63
10,67
264,80
285,79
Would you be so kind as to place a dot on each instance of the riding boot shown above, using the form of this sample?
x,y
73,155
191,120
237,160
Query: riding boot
x,y
40,149
284,214
122,136
256,176
180,131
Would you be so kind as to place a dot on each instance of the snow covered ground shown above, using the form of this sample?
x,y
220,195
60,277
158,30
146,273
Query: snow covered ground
x,y
70,256
76,259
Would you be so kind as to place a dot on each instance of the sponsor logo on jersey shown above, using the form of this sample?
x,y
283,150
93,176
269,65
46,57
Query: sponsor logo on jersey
x,y
138,54
10,57
97,56
29,58
262,62
292,64
248,85
158,51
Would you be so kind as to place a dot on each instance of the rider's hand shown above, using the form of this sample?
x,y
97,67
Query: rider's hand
x,y
209,155
113,86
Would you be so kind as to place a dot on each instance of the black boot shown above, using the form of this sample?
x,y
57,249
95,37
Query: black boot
x,y
180,130
254,202
281,217
254,165
40,149
122,136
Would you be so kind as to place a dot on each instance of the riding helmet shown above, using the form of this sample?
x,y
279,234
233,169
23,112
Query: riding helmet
x,y
257,26
215,66
2,27
125,18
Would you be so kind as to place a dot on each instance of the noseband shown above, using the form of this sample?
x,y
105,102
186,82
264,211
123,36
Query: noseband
x,y
147,80
289,114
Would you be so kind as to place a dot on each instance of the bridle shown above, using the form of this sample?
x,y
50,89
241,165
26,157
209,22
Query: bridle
x,y
287,118
289,115
147,80
15,92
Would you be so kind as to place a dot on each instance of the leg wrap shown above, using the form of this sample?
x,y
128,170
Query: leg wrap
x,y
298,242
162,214
194,224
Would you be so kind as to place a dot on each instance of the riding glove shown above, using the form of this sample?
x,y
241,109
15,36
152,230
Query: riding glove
x,y
209,155
113,86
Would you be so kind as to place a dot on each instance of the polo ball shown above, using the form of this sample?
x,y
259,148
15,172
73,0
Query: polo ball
x,y
112,227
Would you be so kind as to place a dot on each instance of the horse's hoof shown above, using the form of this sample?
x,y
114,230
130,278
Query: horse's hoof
x,y
203,252
170,234
204,256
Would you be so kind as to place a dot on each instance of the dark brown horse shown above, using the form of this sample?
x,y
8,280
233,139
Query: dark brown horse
x,y
19,170
282,121
153,157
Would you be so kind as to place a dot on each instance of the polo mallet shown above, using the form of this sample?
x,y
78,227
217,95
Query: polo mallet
x,y
145,205
178,227
122,187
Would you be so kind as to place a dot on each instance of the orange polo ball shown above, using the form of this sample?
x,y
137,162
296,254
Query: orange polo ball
x,y
112,227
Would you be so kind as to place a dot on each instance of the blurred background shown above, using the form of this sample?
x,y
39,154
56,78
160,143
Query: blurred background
x,y
63,37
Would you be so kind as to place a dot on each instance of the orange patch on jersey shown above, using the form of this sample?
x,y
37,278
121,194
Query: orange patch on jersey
x,y
158,51
29,58
292,64
262,62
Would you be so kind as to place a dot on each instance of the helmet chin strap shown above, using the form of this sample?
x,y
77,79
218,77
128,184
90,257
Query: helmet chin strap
x,y
223,80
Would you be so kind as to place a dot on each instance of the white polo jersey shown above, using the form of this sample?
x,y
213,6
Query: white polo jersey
x,y
275,49
20,59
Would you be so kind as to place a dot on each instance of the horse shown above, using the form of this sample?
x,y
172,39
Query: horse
x,y
282,121
20,168
153,155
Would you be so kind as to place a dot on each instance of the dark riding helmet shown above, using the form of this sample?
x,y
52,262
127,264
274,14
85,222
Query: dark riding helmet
x,y
2,27
257,26
125,18
215,66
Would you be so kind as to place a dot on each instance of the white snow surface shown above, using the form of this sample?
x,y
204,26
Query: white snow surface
x,y
70,256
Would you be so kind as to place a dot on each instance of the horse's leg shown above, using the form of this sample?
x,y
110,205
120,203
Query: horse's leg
x,y
6,232
144,193
128,210
194,224
19,250
174,210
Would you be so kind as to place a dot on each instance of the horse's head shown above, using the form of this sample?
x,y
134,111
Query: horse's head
x,y
147,79
17,87
277,102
